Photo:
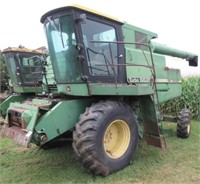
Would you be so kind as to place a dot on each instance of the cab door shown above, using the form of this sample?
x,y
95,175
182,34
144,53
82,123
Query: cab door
x,y
104,57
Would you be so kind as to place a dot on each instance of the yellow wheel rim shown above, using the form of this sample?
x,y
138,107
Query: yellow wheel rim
x,y
116,139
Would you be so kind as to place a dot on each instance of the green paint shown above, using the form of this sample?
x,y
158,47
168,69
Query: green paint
x,y
41,101
25,89
62,117
73,89
111,89
5,104
27,116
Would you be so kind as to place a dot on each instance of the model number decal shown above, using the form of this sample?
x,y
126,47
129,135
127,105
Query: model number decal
x,y
134,80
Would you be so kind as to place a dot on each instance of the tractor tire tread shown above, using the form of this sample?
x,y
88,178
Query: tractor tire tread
x,y
184,120
83,143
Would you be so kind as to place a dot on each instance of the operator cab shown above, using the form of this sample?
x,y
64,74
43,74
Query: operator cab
x,y
74,37
25,68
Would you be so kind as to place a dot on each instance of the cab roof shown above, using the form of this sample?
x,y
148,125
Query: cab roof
x,y
78,7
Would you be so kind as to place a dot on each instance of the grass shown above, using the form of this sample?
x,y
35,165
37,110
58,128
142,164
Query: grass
x,y
179,163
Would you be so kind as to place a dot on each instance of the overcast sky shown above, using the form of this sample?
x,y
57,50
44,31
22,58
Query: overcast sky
x,y
175,21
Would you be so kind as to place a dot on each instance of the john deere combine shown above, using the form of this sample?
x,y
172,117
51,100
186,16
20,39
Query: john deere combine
x,y
29,71
109,76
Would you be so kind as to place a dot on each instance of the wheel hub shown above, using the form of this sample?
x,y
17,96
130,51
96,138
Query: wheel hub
x,y
116,139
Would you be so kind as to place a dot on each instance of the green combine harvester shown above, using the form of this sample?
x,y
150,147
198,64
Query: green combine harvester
x,y
110,79
29,71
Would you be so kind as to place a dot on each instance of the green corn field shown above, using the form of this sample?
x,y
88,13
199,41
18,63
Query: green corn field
x,y
190,98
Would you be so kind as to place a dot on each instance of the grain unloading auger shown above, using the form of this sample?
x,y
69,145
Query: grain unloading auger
x,y
110,80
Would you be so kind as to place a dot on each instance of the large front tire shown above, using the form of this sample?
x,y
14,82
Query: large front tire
x,y
106,137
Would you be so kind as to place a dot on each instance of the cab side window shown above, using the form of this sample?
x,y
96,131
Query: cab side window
x,y
101,55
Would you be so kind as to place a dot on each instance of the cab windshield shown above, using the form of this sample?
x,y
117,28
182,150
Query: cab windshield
x,y
11,67
62,46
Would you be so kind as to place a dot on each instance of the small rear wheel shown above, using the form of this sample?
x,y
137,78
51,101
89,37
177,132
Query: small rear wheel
x,y
106,137
184,123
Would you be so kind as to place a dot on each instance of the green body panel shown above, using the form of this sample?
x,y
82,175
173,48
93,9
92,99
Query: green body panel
x,y
27,116
122,90
106,89
26,89
62,117
162,87
174,86
42,101
74,89
135,57
129,33
5,104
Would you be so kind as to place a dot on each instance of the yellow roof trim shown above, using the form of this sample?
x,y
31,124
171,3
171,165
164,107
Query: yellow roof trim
x,y
94,12
23,49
